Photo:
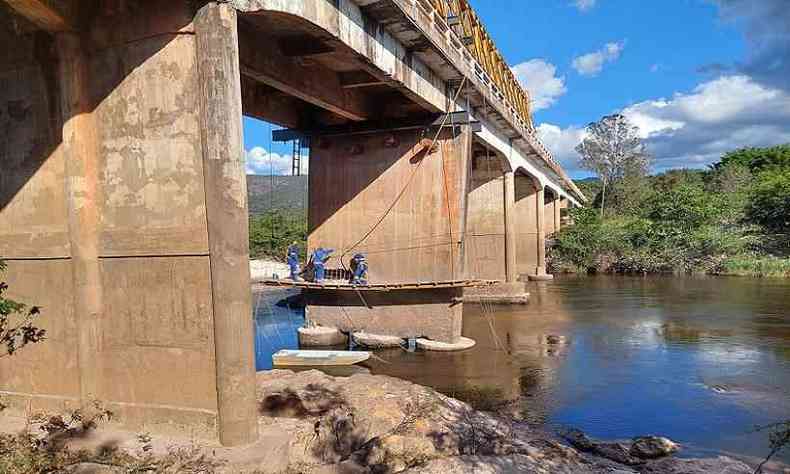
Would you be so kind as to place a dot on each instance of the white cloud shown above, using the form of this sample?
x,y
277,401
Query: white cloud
x,y
694,129
540,79
260,161
584,5
562,144
591,64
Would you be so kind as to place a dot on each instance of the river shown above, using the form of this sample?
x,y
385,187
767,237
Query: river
x,y
701,360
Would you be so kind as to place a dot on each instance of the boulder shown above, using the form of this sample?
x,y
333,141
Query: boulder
x,y
579,440
653,447
719,465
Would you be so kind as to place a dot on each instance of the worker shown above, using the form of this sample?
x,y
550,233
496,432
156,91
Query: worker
x,y
292,257
359,270
319,258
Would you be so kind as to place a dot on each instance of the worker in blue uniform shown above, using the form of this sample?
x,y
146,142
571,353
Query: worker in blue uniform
x,y
320,257
359,270
292,257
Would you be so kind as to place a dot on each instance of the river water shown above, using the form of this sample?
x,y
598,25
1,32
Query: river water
x,y
700,360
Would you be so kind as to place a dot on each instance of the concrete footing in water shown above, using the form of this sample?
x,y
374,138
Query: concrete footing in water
x,y
321,336
541,277
375,341
500,293
429,345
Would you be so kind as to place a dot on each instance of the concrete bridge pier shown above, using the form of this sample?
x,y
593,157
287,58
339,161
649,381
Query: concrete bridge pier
x,y
399,200
123,214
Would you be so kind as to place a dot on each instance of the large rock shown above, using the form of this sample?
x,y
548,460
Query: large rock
x,y
719,465
378,424
653,447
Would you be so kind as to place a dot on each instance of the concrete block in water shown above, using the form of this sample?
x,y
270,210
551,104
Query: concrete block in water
x,y
375,341
429,345
320,336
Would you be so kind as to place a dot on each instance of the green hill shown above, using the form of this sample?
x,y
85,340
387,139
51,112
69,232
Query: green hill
x,y
276,192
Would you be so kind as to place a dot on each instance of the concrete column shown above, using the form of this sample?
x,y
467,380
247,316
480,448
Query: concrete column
x,y
541,240
466,181
81,153
511,275
226,209
557,216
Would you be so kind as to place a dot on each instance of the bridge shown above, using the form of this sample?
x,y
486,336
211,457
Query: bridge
x,y
123,206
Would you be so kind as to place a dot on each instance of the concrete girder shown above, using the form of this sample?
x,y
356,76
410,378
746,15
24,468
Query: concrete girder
x,y
320,87
380,54
49,15
519,160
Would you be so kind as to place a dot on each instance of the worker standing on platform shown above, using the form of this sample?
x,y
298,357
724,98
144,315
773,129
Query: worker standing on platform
x,y
292,257
319,258
359,270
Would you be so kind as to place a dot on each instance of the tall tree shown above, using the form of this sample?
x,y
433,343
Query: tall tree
x,y
612,149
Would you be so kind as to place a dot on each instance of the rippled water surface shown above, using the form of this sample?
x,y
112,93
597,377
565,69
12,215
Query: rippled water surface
x,y
701,360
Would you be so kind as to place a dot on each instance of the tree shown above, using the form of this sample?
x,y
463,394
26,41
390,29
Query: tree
x,y
612,149
769,203
16,323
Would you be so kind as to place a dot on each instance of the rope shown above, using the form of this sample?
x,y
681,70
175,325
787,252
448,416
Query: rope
x,y
405,187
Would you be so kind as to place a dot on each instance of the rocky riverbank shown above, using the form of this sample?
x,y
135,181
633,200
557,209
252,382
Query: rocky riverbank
x,y
370,423
311,422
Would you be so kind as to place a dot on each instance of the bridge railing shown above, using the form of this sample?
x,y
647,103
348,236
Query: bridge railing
x,y
476,39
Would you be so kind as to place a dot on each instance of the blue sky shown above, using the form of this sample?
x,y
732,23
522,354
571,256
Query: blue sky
x,y
699,77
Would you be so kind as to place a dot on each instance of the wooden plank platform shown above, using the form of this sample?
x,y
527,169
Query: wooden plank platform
x,y
345,286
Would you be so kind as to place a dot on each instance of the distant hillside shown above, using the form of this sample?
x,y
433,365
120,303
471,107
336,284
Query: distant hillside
x,y
276,192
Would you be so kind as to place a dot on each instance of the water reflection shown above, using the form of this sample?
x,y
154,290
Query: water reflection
x,y
701,360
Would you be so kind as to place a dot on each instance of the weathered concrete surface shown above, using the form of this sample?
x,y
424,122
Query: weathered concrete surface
x,y
375,341
435,313
226,211
321,336
390,181
103,206
485,244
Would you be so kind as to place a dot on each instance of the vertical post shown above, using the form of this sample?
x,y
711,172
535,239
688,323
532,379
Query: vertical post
x,y
226,209
557,216
466,178
81,153
510,227
539,212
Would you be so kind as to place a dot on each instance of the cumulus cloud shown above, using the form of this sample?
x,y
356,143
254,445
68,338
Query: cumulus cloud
x,y
260,161
584,5
540,79
766,27
562,143
591,64
693,129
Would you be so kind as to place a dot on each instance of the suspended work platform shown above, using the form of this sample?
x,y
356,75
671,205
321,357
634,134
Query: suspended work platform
x,y
336,285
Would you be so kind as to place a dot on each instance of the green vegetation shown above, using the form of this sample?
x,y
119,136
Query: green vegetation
x,y
16,323
733,219
273,231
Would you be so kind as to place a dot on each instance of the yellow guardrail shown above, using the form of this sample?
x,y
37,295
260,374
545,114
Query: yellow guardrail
x,y
480,45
